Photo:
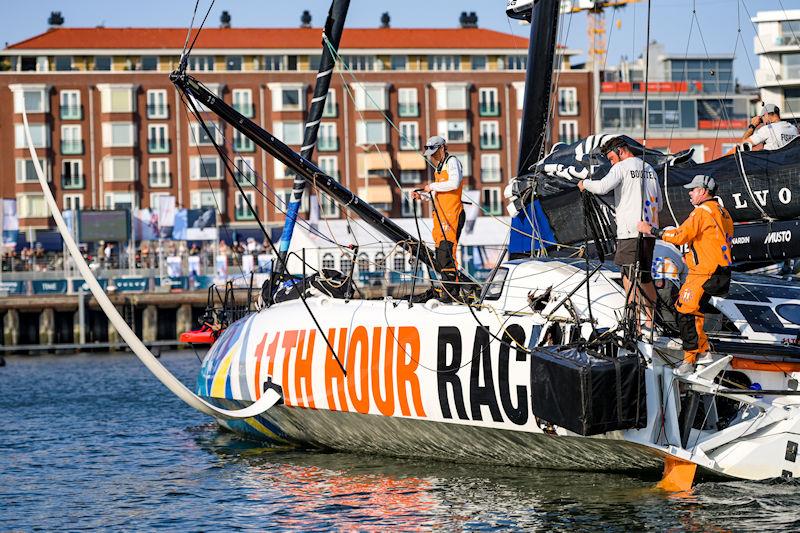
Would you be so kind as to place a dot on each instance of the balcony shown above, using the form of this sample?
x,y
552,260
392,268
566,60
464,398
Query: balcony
x,y
69,181
244,213
490,175
245,109
159,179
157,111
408,110
160,146
74,112
327,144
246,177
72,147
243,145
490,142
487,109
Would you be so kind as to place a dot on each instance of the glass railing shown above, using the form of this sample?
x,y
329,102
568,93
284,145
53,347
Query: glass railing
x,y
244,109
408,110
244,213
490,174
158,147
157,111
246,177
489,110
71,182
72,147
326,144
159,179
490,142
244,145
71,112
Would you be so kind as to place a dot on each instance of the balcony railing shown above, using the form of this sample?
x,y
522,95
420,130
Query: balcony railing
x,y
489,109
244,108
72,147
490,175
243,145
244,213
246,177
158,147
159,179
490,142
327,144
408,110
74,112
157,111
409,143
69,181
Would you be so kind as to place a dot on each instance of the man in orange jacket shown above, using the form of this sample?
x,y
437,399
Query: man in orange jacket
x,y
709,232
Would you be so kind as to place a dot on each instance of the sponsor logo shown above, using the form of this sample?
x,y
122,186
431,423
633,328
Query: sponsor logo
x,y
741,240
778,236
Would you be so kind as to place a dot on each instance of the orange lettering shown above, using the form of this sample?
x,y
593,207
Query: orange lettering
x,y
407,363
358,355
270,359
302,372
289,341
333,371
385,405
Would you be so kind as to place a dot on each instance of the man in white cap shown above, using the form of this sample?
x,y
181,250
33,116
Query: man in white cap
x,y
448,212
774,133
708,231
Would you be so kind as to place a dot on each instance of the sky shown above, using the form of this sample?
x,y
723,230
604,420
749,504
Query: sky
x,y
714,25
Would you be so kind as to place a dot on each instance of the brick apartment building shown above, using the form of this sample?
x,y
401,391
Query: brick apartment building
x,y
113,132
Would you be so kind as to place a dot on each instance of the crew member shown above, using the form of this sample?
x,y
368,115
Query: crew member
x,y
636,197
709,232
448,212
773,132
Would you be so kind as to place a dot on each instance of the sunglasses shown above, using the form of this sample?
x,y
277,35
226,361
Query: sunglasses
x,y
432,146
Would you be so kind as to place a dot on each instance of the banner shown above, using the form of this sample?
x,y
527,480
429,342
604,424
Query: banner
x,y
10,223
131,284
264,263
194,265
145,225
174,266
12,287
201,224
50,286
248,262
78,284
222,267
175,283
179,229
166,215
472,210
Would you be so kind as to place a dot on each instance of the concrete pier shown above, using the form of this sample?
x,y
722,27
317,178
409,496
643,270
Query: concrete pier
x,y
11,328
150,323
183,319
47,331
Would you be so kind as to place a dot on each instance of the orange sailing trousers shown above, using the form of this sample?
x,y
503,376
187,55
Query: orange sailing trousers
x,y
691,299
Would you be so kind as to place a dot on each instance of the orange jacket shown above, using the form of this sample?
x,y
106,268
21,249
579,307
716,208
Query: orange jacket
x,y
709,231
448,207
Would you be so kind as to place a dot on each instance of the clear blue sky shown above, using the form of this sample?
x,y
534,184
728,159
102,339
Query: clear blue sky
x,y
671,20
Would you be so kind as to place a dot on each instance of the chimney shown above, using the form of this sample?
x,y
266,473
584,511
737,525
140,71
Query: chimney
x,y
468,20
225,20
305,19
385,19
55,19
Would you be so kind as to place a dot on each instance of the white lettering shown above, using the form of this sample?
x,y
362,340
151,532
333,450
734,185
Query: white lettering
x,y
785,195
737,197
778,236
741,240
761,196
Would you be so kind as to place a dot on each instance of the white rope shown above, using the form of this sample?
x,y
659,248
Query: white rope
x,y
666,194
270,397
740,160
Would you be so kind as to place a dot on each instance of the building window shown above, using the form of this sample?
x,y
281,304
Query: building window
x,y
489,105
490,135
714,75
359,62
287,96
517,62
102,62
157,139
328,206
200,137
491,201
370,96
243,101
157,104
567,131
679,114
72,202
407,104
242,210
410,177
32,205
326,137
119,134
33,100
380,263
274,63
149,63
244,170
72,174
407,204
346,263
117,99
233,63
568,101
290,132
71,139
454,131
26,170
478,62
242,143
40,135
463,158
363,262
70,105
330,110
283,172
370,132
120,200
791,99
490,168
399,62
329,164
399,261
158,172
409,136
204,167
214,198
284,196
119,169
451,95
444,62
328,261
201,63
621,114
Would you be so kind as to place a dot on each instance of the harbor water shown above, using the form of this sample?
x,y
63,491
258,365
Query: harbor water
x,y
95,442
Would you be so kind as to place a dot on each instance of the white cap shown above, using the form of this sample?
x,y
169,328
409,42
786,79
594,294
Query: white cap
x,y
701,180
433,144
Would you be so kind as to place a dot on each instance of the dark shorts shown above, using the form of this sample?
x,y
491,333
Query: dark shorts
x,y
625,258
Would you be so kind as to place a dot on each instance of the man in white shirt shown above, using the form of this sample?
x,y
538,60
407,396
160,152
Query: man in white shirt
x,y
774,133
637,197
